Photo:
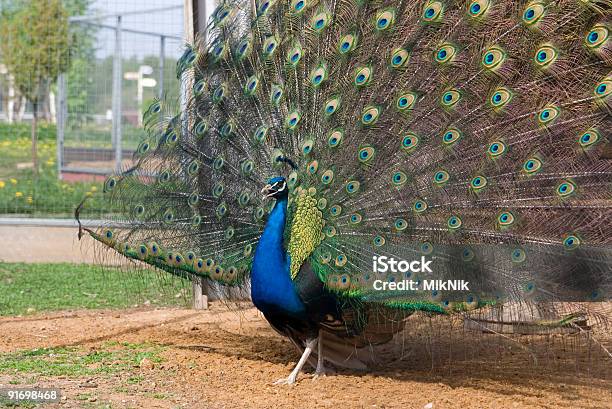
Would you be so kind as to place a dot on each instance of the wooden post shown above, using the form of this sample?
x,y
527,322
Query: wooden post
x,y
194,13
200,297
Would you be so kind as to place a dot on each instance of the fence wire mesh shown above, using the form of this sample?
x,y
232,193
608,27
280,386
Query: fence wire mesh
x,y
83,71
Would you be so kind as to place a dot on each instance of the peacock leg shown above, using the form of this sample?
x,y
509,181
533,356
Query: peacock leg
x,y
320,371
310,344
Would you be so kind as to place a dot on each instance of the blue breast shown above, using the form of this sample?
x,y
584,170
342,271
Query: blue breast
x,y
272,289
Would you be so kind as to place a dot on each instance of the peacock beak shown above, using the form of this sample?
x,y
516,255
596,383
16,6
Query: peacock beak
x,y
267,191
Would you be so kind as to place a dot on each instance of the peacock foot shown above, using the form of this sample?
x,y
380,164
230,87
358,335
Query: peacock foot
x,y
323,372
290,380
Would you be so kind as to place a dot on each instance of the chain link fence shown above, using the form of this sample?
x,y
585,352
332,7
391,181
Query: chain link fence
x,y
95,65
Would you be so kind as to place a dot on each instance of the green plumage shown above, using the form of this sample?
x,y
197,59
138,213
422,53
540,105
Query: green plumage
x,y
473,133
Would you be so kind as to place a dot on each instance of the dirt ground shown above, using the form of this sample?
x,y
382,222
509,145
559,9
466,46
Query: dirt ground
x,y
229,359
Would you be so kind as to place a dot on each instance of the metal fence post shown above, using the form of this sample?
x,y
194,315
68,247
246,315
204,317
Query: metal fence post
x,y
62,112
162,58
117,85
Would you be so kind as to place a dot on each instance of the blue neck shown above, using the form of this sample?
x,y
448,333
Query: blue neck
x,y
272,289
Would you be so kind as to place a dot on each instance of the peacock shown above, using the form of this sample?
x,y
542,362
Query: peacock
x,y
350,161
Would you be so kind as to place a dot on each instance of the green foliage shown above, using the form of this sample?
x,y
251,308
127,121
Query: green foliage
x,y
43,287
35,42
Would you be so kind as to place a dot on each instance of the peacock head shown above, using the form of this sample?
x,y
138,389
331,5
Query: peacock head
x,y
276,188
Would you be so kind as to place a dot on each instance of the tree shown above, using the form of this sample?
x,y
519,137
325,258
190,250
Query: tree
x,y
35,47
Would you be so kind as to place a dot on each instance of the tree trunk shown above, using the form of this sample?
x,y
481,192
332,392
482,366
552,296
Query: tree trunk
x,y
34,138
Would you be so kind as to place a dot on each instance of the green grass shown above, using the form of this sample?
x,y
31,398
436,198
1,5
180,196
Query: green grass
x,y
26,288
77,361
22,193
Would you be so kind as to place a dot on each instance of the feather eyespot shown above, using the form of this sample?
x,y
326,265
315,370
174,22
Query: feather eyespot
x,y
331,106
385,19
335,138
445,54
400,225
450,98
588,138
432,12
493,58
533,13
419,206
370,115
451,136
454,222
366,154
505,219
548,114
409,142
441,177
597,37
320,21
518,255
363,76
347,44
571,242
496,149
352,187
378,241
292,120
566,188
532,165
399,58
276,94
546,56
318,75
478,8
399,178
478,182
405,101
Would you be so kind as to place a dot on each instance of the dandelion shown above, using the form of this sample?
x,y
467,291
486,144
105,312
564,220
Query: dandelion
x,y
29,199
13,181
88,194
18,194
2,184
94,189
50,162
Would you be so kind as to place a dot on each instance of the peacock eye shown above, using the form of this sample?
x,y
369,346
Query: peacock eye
x,y
571,242
597,36
589,138
320,21
493,58
432,12
385,19
450,98
445,53
548,114
399,178
500,98
454,222
409,142
545,56
347,44
533,13
496,149
363,76
478,8
399,58
532,165
478,182
451,136
370,115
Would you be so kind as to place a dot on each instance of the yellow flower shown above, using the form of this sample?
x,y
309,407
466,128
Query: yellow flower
x,y
29,199
18,194
88,194
50,162
94,189
2,184
13,181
